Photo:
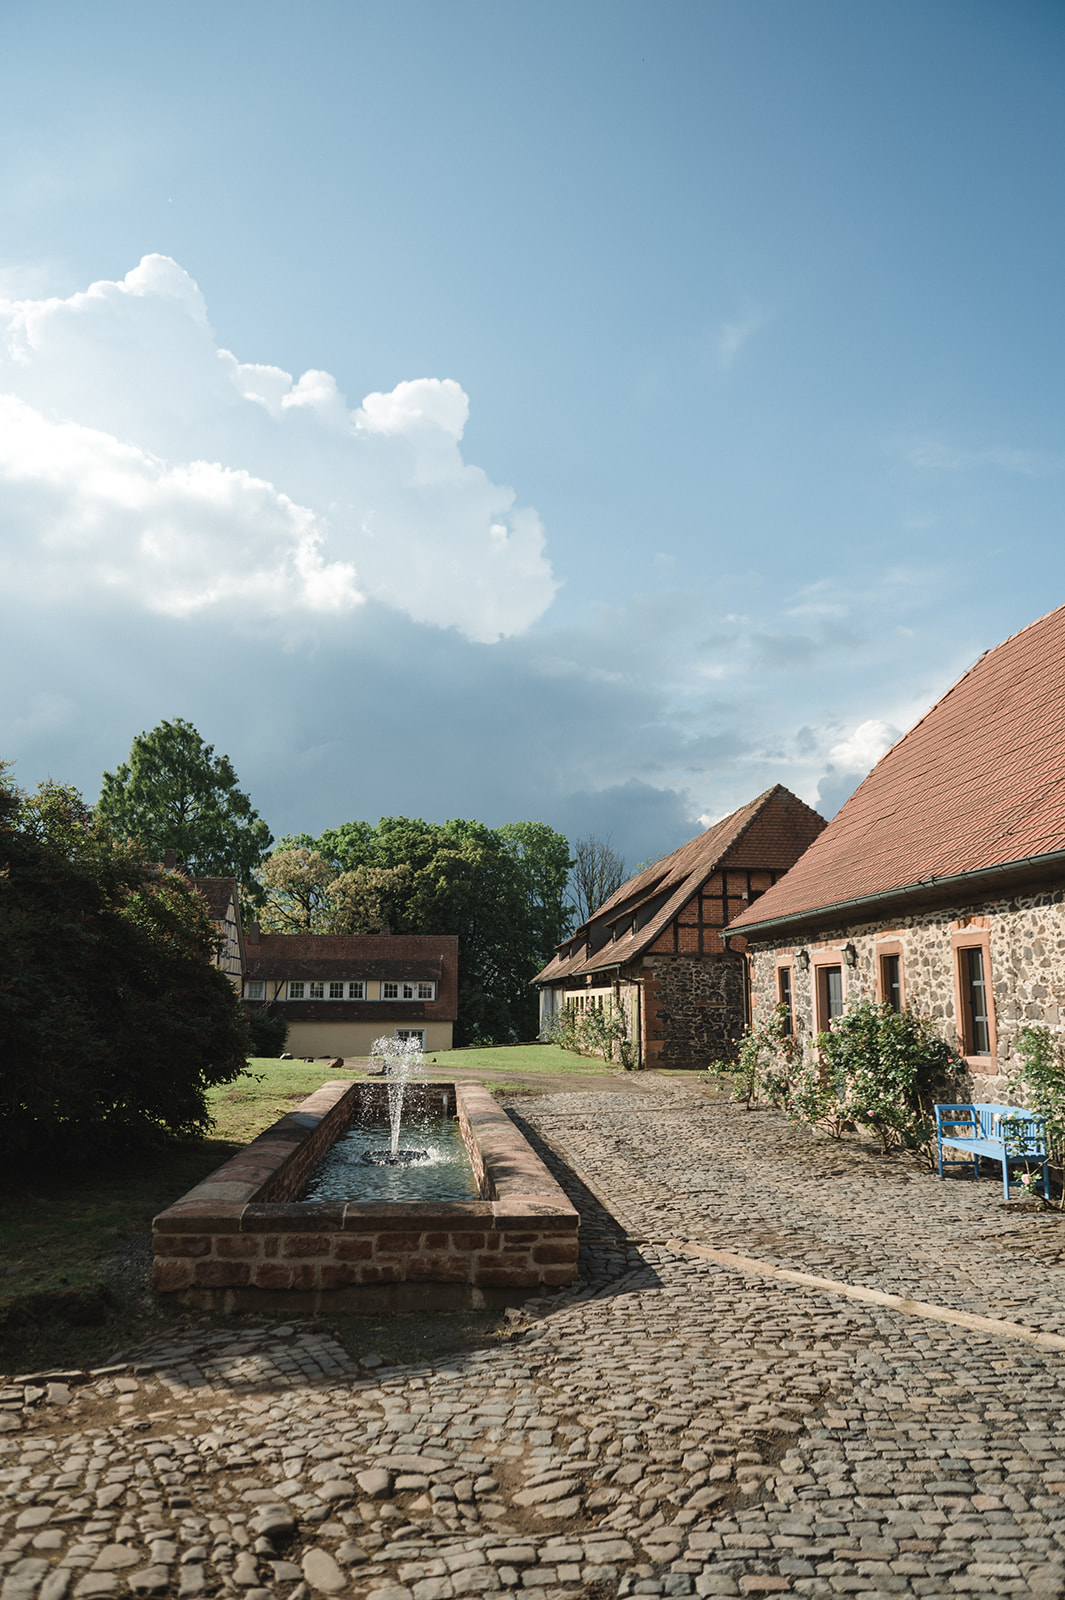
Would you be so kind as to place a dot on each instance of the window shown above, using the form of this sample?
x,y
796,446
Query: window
x,y
408,990
357,991
891,981
336,991
784,996
976,1020
829,995
412,1033
317,991
295,991
255,989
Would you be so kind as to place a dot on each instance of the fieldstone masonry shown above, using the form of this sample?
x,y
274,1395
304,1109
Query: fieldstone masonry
x,y
695,1009
1027,958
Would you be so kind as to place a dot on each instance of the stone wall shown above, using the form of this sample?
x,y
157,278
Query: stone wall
x,y
693,1009
1026,943
226,1245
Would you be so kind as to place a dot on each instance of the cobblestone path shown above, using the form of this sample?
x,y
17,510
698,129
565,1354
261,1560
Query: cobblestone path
x,y
669,1427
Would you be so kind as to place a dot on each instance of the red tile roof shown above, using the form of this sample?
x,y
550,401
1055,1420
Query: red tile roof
x,y
667,885
328,955
978,783
219,893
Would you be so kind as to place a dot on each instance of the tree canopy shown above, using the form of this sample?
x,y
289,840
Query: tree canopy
x,y
174,793
115,1019
501,891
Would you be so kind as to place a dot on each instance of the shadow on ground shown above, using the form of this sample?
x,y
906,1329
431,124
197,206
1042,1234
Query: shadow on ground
x,y
609,1256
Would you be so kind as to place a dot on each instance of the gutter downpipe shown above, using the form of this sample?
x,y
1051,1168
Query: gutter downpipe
x,y
828,913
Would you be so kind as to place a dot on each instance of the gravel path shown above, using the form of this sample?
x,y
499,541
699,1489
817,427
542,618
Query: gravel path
x,y
673,1426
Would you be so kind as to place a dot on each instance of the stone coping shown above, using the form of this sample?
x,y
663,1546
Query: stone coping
x,y
241,1236
230,1200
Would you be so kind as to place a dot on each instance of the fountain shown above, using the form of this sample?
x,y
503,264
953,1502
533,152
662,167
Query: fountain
x,y
245,1239
401,1058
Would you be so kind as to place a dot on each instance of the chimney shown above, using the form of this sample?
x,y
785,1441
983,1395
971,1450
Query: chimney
x,y
169,860
252,935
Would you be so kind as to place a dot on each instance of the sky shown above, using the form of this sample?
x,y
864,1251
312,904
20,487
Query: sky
x,y
589,411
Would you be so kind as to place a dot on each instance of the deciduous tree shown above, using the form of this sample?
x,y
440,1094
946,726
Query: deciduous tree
x,y
496,889
114,1018
598,872
174,793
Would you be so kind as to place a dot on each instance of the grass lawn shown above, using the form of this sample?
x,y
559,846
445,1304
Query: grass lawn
x,y
515,1058
74,1249
267,1090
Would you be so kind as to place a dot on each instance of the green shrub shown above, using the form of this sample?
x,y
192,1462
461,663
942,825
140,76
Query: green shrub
x,y
764,1062
267,1034
1041,1084
600,1030
886,1069
115,1018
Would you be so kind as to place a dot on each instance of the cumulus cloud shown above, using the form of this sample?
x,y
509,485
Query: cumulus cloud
x,y
140,461
850,760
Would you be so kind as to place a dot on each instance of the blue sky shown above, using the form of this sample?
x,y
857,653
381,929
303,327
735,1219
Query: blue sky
x,y
587,412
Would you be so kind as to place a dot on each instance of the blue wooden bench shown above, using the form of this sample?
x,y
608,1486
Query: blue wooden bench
x,y
987,1130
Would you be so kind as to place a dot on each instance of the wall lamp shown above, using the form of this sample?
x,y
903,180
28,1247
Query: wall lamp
x,y
803,960
850,955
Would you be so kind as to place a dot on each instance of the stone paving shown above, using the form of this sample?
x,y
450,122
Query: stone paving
x,y
669,1427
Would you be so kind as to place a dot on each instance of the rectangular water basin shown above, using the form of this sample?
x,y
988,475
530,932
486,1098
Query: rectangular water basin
x,y
241,1240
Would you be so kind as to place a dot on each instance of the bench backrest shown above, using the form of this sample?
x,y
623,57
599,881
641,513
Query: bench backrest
x,y
1021,1129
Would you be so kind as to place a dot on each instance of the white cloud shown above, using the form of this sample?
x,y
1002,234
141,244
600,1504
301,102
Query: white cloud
x,y
849,761
89,512
139,459
862,749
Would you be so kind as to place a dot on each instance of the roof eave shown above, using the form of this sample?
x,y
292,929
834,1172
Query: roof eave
x,y
924,892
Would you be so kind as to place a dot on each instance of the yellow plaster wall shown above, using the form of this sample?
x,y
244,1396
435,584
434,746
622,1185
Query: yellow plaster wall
x,y
325,1038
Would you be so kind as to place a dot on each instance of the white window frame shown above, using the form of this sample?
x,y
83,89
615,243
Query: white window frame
x,y
407,989
336,989
295,989
411,1033
356,989
316,989
254,989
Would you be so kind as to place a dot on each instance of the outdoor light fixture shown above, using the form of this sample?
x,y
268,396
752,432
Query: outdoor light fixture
x,y
850,955
802,959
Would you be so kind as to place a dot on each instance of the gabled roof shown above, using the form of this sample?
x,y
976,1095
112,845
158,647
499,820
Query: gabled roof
x,y
342,955
219,894
648,902
977,785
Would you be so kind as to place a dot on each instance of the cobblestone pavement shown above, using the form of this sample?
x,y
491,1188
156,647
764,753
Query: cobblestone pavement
x,y
670,1427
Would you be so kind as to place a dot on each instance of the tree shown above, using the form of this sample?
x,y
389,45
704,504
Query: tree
x,y
498,890
114,1017
306,893
544,864
174,793
598,872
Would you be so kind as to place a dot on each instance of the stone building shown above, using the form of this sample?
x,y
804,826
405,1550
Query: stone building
x,y
940,885
654,953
